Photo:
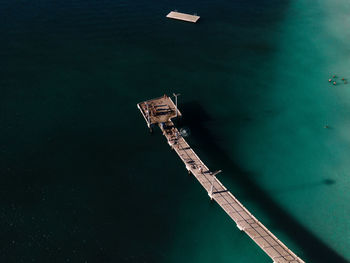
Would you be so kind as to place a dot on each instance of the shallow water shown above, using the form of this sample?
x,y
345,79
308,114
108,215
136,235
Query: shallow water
x,y
81,180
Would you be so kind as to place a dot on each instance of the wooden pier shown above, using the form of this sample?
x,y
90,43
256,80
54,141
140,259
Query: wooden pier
x,y
183,16
160,111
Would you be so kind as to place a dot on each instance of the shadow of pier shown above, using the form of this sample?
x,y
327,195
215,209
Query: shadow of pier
x,y
313,249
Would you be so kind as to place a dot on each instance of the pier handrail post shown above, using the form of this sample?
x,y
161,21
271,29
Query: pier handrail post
x,y
147,114
148,118
212,183
176,95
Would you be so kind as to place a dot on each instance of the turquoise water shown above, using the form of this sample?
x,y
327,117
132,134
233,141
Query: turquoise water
x,y
83,181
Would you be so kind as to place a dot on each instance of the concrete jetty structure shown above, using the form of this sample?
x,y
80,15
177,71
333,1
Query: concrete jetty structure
x,y
161,111
183,16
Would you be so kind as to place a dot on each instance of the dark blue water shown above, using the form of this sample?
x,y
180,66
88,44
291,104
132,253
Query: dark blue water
x,y
83,181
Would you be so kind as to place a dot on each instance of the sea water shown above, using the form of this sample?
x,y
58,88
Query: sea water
x,y
82,180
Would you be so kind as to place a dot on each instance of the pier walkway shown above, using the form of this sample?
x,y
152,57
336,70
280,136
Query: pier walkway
x,y
244,220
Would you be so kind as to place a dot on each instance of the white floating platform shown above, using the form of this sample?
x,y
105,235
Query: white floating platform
x,y
183,17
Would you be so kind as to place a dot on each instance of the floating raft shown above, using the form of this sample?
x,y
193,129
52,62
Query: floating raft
x,y
183,17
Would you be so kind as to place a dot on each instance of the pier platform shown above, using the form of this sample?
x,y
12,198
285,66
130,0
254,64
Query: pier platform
x,y
158,110
183,16
244,220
